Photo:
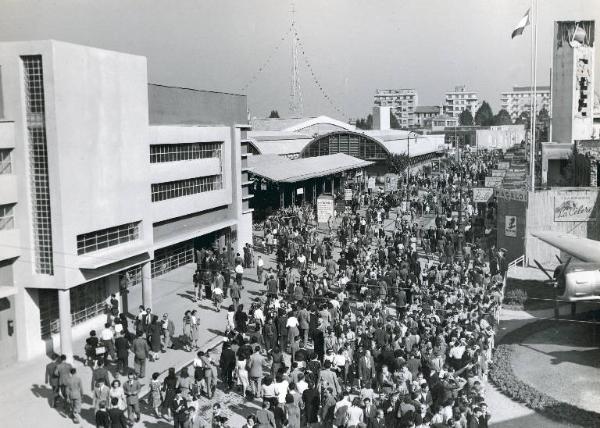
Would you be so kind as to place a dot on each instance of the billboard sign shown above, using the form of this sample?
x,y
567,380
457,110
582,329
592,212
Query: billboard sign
x,y
503,165
493,181
482,194
575,205
498,172
324,208
512,194
347,194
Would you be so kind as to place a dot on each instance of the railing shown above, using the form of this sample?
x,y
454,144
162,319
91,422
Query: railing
x,y
519,260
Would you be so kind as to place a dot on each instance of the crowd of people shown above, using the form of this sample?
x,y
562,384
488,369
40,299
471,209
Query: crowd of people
x,y
384,318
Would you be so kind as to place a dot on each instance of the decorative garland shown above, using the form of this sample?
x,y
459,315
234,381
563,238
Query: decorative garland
x,y
503,376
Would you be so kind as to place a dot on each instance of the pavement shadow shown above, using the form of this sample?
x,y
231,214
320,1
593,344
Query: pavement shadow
x,y
589,357
215,331
187,296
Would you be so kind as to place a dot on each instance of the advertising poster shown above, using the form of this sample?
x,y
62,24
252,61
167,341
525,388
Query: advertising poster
x,y
498,172
482,194
503,165
324,208
575,205
510,226
391,183
512,194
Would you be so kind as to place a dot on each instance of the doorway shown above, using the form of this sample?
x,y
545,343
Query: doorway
x,y
8,337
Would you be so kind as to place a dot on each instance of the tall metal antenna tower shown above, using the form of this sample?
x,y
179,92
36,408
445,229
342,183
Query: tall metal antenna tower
x,y
296,106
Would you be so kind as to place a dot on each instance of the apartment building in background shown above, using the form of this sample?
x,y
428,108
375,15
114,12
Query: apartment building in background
x,y
403,103
519,101
459,100
106,182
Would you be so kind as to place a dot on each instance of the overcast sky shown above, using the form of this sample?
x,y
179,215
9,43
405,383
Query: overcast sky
x,y
353,46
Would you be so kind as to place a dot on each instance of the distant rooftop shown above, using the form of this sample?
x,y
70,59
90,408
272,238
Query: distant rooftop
x,y
427,109
528,88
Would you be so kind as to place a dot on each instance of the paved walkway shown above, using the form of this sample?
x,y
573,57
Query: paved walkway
x,y
24,398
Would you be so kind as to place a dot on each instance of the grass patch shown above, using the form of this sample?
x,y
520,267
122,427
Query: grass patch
x,y
532,290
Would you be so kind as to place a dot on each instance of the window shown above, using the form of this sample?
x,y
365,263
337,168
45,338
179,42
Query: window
x,y
7,220
100,239
38,160
190,186
87,301
5,162
182,152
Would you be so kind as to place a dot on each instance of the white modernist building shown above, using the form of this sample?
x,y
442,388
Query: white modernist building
x,y
402,101
518,100
459,100
105,183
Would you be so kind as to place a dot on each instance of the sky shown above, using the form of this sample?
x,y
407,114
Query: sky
x,y
353,47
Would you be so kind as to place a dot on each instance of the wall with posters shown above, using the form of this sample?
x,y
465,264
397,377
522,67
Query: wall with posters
x,y
562,210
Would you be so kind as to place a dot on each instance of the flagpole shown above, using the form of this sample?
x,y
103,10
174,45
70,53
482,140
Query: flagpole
x,y
533,117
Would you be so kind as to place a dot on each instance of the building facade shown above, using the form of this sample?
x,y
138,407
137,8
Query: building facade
x,y
423,113
459,100
102,190
403,103
518,100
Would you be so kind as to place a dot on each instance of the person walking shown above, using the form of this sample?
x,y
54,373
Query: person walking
x,y
255,371
51,379
168,329
155,332
187,331
132,390
117,415
235,295
63,372
122,349
75,394
141,350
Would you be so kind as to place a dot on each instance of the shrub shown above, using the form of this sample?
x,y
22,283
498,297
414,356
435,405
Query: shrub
x,y
516,297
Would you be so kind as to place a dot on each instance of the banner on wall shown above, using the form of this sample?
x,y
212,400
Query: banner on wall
x,y
324,208
482,194
498,172
503,165
575,205
512,194
510,226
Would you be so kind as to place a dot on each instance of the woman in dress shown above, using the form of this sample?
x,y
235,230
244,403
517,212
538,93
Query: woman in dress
x,y
168,389
116,391
184,382
241,374
156,393
154,332
187,331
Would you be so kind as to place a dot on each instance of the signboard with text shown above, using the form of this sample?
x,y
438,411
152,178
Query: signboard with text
x,y
503,165
391,183
493,181
324,208
512,194
347,194
575,205
498,172
482,194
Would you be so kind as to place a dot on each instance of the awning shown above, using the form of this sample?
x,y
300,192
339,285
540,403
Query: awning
x,y
282,169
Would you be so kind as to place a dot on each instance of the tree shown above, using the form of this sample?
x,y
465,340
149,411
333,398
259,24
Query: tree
x,y
523,119
397,163
394,124
502,118
465,118
365,123
274,114
484,115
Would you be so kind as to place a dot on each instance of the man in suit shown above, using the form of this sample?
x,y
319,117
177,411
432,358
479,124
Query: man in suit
x,y
303,323
75,394
132,390
63,372
327,411
330,379
168,330
378,421
370,410
141,350
366,369
117,416
122,350
255,371
265,417
51,379
100,373
227,364
179,408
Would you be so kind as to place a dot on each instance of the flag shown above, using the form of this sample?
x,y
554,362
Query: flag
x,y
524,22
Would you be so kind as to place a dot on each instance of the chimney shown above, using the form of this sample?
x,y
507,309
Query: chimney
x,y
381,117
